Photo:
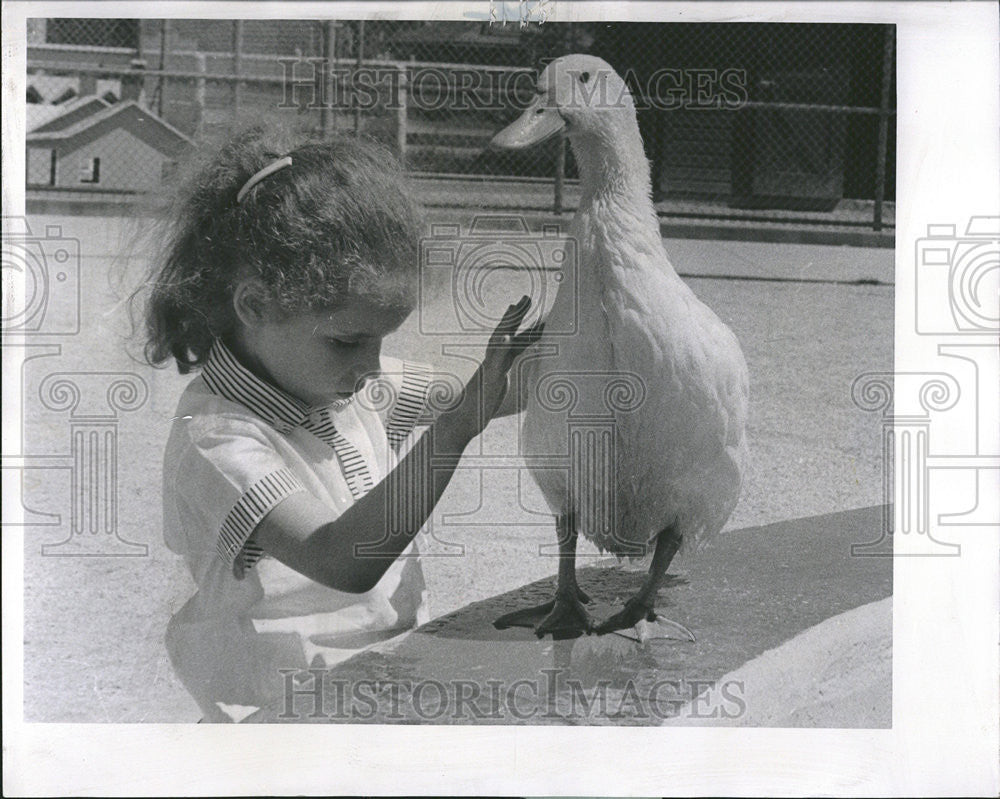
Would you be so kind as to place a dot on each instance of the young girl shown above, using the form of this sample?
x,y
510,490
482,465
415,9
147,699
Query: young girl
x,y
285,270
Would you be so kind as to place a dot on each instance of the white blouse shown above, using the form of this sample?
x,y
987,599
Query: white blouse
x,y
238,447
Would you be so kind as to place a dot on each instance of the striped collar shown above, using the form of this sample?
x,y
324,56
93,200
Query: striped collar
x,y
226,376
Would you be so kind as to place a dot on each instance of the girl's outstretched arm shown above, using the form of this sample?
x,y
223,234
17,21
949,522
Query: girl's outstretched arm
x,y
353,551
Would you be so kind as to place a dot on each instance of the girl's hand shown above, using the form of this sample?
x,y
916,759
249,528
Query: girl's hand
x,y
485,391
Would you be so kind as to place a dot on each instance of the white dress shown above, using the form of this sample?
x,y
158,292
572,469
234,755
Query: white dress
x,y
238,447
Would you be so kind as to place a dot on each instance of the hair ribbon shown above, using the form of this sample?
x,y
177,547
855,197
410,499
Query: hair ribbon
x,y
258,176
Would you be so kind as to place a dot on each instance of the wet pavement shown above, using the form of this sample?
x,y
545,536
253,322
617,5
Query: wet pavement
x,y
744,594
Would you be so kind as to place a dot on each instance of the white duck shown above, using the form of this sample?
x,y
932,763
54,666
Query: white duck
x,y
679,457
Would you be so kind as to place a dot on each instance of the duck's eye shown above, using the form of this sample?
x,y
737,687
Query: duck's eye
x,y
584,77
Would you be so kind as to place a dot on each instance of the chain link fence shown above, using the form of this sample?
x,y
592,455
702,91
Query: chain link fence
x,y
781,122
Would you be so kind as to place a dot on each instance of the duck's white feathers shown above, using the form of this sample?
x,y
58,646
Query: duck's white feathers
x,y
680,455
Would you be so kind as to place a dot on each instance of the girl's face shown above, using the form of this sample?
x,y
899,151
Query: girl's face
x,y
320,357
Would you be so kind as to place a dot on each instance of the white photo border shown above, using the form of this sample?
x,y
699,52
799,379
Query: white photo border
x,y
944,738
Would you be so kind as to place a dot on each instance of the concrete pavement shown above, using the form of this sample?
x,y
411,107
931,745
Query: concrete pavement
x,y
743,596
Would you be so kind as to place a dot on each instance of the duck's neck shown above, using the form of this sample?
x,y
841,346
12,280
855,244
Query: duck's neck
x,y
613,166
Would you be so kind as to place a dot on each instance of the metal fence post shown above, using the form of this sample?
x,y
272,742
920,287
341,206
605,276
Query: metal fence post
x,y
360,58
160,84
883,124
237,62
327,120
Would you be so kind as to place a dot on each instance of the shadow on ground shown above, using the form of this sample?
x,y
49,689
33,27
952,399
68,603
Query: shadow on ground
x,y
747,593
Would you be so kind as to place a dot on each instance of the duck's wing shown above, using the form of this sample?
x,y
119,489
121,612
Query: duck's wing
x,y
683,450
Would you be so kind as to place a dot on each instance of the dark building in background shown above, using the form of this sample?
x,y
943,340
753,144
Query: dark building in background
x,y
764,150
760,156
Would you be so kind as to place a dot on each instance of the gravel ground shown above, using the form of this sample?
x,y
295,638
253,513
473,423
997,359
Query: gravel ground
x,y
94,625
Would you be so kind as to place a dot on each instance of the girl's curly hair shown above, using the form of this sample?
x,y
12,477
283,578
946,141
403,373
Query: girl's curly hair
x,y
338,222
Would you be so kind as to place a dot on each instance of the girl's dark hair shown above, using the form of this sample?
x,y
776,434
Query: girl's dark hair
x,y
336,223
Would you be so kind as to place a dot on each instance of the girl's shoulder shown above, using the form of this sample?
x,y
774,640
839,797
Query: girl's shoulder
x,y
202,414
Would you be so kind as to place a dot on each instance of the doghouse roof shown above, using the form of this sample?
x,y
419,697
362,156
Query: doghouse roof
x,y
141,123
45,118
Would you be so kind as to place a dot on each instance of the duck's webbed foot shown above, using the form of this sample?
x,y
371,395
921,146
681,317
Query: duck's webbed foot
x,y
642,622
568,616
639,616
548,613
565,616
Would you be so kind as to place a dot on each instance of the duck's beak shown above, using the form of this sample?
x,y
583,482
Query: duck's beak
x,y
534,126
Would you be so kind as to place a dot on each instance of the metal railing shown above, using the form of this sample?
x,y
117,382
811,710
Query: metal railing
x,y
790,133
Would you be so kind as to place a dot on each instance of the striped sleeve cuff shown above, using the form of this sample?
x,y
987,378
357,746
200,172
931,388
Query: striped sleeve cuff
x,y
253,506
410,403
